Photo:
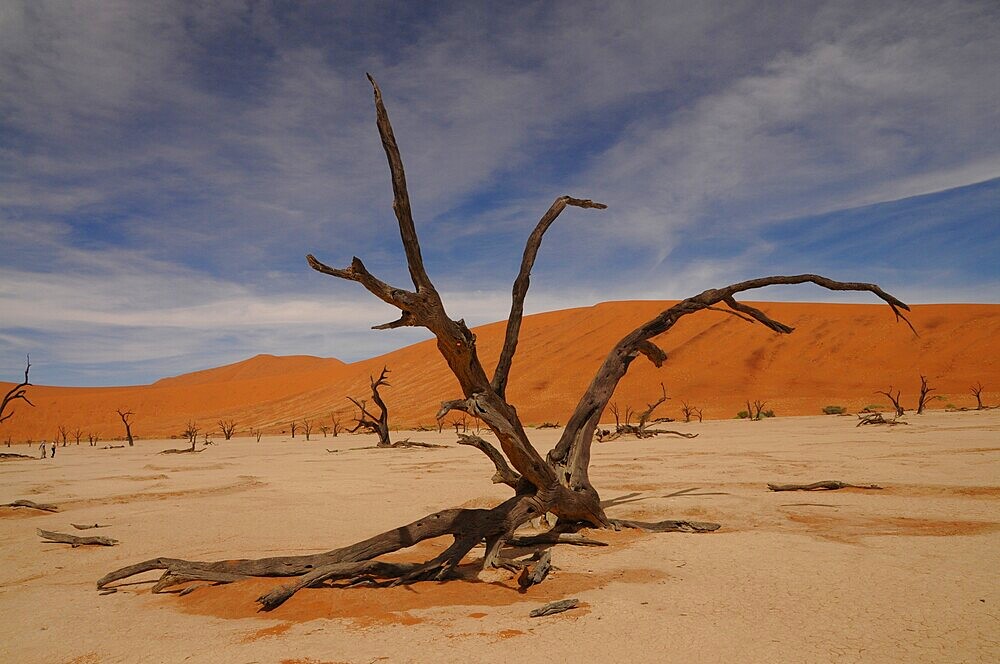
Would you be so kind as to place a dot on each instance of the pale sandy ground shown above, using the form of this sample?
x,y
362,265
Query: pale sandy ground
x,y
908,574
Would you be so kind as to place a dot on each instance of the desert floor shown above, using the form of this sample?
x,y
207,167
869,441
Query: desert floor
x,y
908,573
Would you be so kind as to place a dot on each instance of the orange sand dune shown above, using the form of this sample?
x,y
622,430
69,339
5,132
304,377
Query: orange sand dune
x,y
840,354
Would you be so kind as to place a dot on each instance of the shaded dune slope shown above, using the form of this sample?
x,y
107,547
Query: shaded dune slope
x,y
839,354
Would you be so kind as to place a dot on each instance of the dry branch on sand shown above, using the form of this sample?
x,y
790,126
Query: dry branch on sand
x,y
878,418
825,485
32,505
75,540
641,429
558,482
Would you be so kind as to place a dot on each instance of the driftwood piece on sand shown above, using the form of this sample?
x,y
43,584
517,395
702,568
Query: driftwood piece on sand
x,y
32,505
550,537
75,540
827,485
186,450
555,607
13,455
79,526
535,572
669,526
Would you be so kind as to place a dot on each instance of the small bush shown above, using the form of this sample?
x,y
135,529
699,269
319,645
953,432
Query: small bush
x,y
834,410
873,408
742,415
767,413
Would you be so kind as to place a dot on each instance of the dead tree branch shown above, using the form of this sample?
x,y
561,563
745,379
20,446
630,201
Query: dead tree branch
x,y
19,391
74,540
826,485
894,399
376,424
924,392
126,416
44,507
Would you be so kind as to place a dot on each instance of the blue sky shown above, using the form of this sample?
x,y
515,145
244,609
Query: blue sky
x,y
165,166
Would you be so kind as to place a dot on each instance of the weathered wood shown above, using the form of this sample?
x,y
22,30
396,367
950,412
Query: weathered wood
x,y
535,572
825,485
878,418
668,526
32,505
185,450
376,424
88,527
555,607
548,425
75,540
551,537
504,474
12,455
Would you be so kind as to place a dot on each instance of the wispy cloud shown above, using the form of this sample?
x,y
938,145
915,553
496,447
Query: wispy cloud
x,y
166,165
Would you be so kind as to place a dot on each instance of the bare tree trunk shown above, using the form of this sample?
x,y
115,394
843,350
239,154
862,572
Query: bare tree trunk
x,y
558,483
228,427
127,421
307,427
376,424
977,391
923,399
894,400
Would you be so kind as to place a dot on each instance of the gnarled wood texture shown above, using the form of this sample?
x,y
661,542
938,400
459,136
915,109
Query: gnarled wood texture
x,y
558,483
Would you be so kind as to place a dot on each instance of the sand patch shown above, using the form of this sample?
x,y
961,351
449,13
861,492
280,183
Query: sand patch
x,y
852,528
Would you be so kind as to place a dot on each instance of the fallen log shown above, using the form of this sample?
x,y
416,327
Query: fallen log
x,y
32,505
84,527
12,455
555,607
74,540
827,485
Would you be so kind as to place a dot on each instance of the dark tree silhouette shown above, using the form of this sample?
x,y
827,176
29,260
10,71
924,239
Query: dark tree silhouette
x,y
126,416
228,428
977,391
366,420
558,482
15,393
894,399
923,399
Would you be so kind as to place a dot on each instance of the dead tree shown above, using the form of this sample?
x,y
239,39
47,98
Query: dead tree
x,y
325,429
688,410
923,399
228,428
19,391
365,420
92,438
558,482
755,411
77,434
62,434
307,427
977,391
894,400
256,433
294,427
191,433
641,429
126,416
337,424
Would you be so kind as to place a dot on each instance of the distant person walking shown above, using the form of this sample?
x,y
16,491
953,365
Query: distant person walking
x,y
42,448
53,449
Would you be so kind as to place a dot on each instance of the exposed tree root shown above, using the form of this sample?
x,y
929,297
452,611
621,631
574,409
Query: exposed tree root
x,y
32,505
75,540
826,485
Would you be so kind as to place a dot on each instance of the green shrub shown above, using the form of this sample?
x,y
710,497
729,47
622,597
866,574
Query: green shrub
x,y
834,410
767,413
742,415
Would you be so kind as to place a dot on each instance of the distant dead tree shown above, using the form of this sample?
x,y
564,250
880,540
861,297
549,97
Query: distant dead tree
x,y
77,434
126,416
557,482
325,429
294,427
688,411
893,399
19,391
307,427
756,412
337,423
256,433
924,391
977,391
228,428
641,428
93,438
365,420
191,433
62,434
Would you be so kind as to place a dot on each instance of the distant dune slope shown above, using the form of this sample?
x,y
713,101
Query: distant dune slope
x,y
839,354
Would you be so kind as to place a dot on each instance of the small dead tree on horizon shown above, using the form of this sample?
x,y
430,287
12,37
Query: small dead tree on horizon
x,y
256,433
337,423
923,399
19,391
688,410
376,424
307,427
325,429
294,426
894,399
126,416
641,429
558,482
191,433
228,428
77,434
62,434
977,391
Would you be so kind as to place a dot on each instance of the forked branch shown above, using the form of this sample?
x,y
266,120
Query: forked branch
x,y
15,393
